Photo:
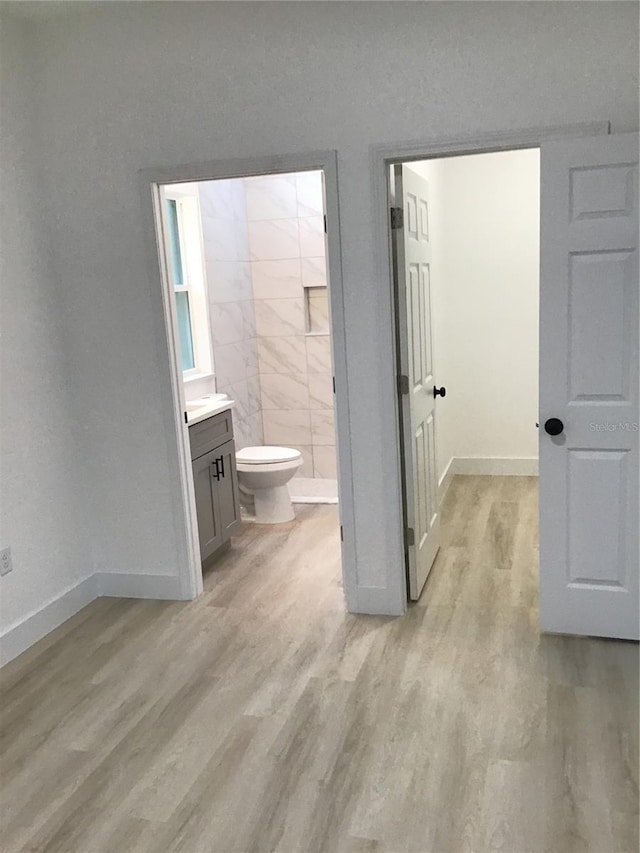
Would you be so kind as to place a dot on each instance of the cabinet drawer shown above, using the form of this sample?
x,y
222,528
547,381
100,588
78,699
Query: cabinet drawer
x,y
209,434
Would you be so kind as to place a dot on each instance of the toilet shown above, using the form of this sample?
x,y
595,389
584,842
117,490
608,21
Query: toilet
x,y
263,474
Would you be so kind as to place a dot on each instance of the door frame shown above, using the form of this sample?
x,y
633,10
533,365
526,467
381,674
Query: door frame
x,y
176,431
381,159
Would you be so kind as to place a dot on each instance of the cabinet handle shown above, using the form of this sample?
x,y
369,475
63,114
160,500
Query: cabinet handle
x,y
216,473
221,460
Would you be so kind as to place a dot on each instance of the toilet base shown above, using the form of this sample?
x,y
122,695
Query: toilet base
x,y
273,505
263,473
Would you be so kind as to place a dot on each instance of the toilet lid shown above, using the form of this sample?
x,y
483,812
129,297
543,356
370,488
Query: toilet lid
x,y
264,455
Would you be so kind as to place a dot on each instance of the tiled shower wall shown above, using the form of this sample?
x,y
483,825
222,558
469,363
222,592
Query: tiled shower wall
x,y
266,276
286,246
231,313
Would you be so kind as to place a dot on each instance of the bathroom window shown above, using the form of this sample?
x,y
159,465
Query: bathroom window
x,y
185,265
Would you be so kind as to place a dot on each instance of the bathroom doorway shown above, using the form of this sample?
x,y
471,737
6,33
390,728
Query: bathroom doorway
x,y
253,313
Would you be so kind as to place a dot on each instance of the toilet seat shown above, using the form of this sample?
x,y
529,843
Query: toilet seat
x,y
267,455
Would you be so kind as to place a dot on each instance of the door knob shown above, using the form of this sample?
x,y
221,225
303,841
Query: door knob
x,y
553,426
442,392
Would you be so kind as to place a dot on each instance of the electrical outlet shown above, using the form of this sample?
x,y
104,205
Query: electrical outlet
x,y
6,564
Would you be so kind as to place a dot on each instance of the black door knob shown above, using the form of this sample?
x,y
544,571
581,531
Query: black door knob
x,y
439,391
553,426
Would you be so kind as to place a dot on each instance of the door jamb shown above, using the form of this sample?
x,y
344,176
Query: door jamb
x,y
176,431
381,158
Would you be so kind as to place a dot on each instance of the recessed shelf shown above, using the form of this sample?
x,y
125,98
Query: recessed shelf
x,y
316,310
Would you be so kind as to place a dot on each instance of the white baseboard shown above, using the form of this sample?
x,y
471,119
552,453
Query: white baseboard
x,y
121,585
20,636
445,480
496,466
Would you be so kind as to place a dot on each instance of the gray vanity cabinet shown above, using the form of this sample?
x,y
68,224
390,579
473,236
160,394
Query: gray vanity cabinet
x,y
215,481
228,490
207,510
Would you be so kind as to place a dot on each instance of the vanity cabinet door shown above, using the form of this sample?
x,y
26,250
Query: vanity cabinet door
x,y
206,488
227,487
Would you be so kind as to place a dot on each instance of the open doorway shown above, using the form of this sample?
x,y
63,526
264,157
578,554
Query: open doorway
x,y
588,382
468,253
245,270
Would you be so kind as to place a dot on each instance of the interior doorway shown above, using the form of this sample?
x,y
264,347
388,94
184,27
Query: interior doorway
x,y
249,262
588,365
467,248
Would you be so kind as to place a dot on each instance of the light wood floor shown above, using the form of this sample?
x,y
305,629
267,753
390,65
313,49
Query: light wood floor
x,y
262,717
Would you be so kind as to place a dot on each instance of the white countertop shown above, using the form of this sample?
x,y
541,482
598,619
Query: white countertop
x,y
206,407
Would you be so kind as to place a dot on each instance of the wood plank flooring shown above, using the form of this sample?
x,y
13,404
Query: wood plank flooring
x,y
262,717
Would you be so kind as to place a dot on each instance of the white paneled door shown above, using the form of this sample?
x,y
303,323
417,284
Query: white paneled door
x,y
589,387
413,270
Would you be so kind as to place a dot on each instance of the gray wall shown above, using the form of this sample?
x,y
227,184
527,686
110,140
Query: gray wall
x,y
43,500
249,79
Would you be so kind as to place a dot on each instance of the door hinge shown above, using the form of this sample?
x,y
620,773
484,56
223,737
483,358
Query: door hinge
x,y
186,419
410,536
397,218
333,378
341,533
325,223
403,384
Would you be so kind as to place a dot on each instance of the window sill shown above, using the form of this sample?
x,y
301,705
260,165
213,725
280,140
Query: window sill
x,y
195,377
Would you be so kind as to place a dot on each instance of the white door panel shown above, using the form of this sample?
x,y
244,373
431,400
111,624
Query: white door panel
x,y
413,275
589,379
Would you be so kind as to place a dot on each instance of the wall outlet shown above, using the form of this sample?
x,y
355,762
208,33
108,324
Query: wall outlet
x,y
6,563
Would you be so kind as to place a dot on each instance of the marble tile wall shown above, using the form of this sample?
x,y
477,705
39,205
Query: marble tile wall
x,y
287,258
267,282
231,305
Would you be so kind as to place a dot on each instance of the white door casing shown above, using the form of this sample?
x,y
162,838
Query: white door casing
x,y
359,596
589,380
413,271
